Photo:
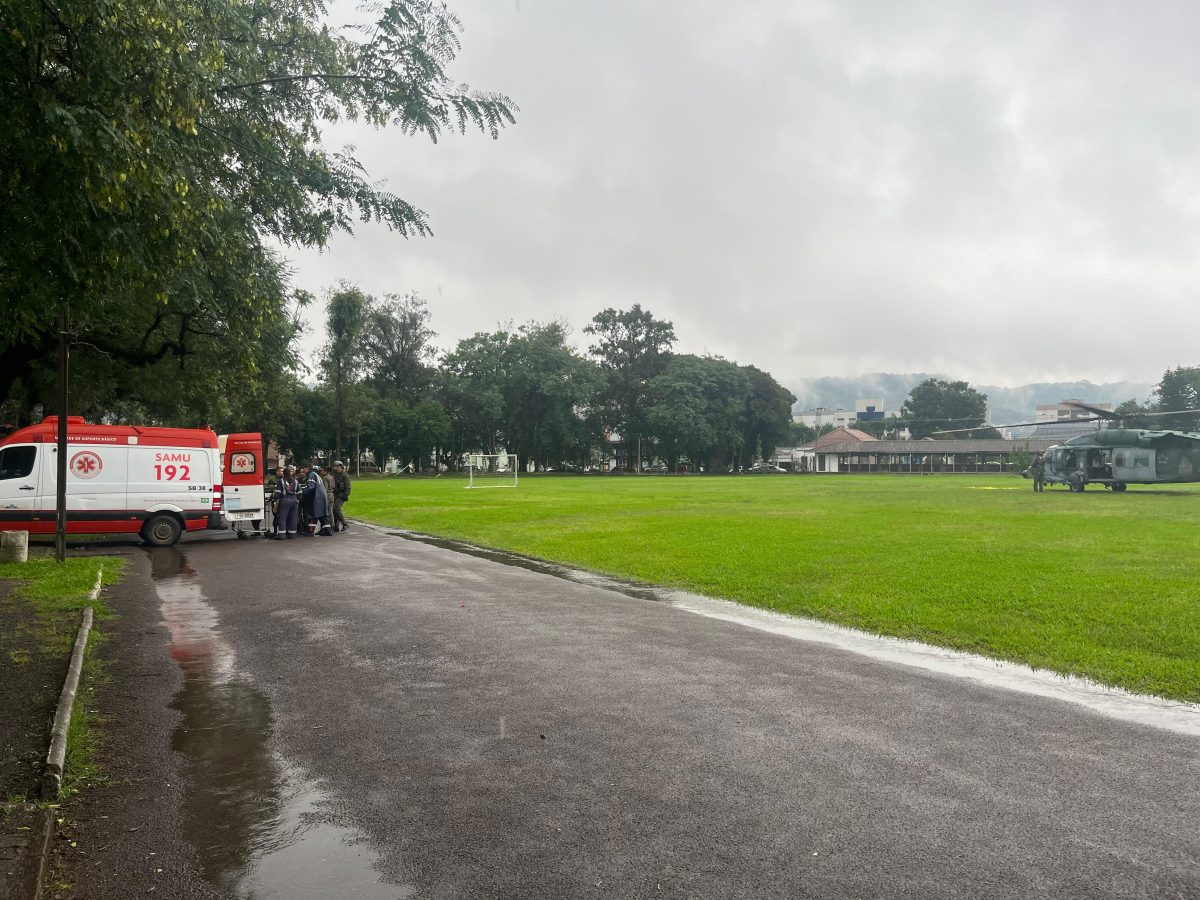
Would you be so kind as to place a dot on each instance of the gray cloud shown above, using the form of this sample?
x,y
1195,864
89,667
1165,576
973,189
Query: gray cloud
x,y
1004,192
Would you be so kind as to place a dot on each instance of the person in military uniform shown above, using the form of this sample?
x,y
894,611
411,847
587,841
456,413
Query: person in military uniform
x,y
1038,469
340,494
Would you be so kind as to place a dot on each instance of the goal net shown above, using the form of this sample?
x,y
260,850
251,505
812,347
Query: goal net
x,y
491,470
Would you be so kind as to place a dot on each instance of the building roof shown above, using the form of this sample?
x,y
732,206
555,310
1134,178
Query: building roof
x,y
838,437
846,440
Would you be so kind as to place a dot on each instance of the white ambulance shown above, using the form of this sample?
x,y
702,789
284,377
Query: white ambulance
x,y
156,482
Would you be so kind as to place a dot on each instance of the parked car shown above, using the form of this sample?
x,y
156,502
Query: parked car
x,y
765,468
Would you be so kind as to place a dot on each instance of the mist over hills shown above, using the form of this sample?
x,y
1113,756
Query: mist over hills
x,y
1016,404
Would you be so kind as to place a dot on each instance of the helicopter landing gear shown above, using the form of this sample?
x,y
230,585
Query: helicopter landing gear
x,y
1076,487
1119,487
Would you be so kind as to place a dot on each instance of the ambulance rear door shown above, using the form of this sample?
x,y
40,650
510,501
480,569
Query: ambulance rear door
x,y
242,480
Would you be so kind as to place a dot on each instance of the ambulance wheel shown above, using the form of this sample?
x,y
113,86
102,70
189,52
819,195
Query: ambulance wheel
x,y
161,531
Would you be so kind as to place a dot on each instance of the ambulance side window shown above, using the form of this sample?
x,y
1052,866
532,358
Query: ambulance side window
x,y
17,462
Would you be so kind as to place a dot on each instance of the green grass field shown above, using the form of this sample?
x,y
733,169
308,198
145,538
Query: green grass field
x,y
1097,584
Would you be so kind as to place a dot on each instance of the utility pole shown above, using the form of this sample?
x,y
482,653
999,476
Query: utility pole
x,y
60,526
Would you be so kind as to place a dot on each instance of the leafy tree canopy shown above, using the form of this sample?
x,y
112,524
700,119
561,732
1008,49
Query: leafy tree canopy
x,y
631,348
937,405
152,149
1179,389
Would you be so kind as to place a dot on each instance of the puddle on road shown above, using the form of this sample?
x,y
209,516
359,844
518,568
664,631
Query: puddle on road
x,y
254,820
1182,718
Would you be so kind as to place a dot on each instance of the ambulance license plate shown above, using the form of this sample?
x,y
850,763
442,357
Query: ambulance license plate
x,y
245,514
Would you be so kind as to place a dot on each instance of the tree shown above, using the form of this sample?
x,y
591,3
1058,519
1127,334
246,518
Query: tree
x,y
698,410
800,434
879,428
937,405
527,391
1179,389
632,348
472,389
405,431
153,152
398,346
311,430
547,394
768,417
1132,414
348,309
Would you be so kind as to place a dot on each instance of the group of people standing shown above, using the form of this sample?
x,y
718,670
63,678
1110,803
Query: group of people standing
x,y
308,502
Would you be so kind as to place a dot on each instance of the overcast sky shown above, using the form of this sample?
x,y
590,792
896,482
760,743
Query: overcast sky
x,y
1003,192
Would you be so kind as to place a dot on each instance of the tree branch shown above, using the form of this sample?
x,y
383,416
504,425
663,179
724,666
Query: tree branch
x,y
314,76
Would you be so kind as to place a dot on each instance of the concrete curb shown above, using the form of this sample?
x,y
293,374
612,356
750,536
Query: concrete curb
x,y
52,776
38,856
36,874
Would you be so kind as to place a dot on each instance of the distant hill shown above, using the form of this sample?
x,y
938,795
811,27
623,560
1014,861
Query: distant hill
x,y
1005,404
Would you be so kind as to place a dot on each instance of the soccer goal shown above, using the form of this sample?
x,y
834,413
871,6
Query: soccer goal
x,y
491,470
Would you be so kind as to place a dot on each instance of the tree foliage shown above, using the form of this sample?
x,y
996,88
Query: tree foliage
x,y
341,360
938,405
631,348
153,152
1179,389
398,345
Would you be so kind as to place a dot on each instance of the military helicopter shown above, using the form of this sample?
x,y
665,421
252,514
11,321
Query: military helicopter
x,y
1115,456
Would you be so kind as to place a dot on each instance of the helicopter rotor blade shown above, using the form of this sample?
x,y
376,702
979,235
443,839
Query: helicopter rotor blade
x,y
1169,412
1098,415
1012,425
1096,411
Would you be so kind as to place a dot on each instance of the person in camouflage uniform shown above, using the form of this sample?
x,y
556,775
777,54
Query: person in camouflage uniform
x,y
340,494
1038,470
327,524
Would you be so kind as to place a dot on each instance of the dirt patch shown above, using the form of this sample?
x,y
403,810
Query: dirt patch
x,y
30,682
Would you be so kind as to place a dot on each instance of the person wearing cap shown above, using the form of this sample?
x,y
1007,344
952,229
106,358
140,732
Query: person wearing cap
x,y
341,493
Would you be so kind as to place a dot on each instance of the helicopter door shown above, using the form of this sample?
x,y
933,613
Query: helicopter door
x,y
1122,464
1144,471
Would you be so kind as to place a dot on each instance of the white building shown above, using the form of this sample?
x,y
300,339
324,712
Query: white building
x,y
868,410
1063,411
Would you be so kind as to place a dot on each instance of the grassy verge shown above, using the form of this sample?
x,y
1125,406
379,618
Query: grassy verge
x,y
1096,584
57,594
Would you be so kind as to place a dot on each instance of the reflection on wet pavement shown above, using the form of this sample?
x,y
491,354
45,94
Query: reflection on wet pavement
x,y
254,820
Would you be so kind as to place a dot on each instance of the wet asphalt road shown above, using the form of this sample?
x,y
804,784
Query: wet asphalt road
x,y
486,731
